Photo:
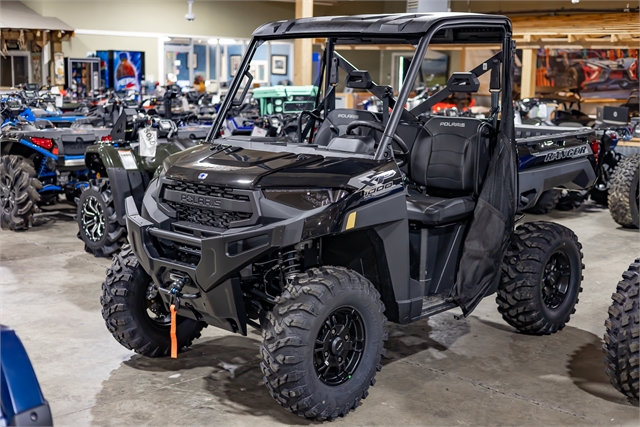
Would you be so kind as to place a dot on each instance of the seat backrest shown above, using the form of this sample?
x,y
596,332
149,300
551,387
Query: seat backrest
x,y
448,156
337,122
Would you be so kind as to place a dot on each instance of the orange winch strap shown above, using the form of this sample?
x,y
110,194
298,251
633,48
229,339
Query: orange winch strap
x,y
174,339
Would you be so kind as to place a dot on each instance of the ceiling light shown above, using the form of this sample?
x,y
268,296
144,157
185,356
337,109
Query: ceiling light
x,y
212,41
227,41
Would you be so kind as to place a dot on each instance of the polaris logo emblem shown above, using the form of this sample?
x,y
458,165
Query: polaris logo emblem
x,y
348,116
203,175
453,124
566,154
208,202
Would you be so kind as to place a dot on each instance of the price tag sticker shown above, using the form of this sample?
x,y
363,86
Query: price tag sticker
x,y
127,159
256,131
148,138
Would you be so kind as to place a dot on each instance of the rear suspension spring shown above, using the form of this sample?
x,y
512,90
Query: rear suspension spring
x,y
42,169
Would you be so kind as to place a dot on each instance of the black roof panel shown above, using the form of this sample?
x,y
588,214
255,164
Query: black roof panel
x,y
377,26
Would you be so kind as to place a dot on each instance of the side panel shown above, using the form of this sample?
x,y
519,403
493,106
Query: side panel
x,y
387,219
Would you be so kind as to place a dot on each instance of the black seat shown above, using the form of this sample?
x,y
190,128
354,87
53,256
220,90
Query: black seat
x,y
337,122
449,160
438,210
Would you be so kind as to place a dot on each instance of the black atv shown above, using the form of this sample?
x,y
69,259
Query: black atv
x,y
121,172
622,337
365,217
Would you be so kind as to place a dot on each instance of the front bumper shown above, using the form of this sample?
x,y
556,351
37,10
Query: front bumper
x,y
214,278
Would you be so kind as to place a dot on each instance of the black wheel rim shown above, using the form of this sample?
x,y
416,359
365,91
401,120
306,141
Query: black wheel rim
x,y
93,219
339,346
556,280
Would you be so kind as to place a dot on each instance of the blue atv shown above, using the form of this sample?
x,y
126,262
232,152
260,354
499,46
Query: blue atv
x,y
21,400
41,106
38,162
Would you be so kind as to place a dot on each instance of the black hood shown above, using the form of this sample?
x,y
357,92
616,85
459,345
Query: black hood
x,y
238,167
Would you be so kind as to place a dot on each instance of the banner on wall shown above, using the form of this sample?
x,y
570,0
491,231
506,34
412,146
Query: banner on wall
x,y
58,69
36,67
594,73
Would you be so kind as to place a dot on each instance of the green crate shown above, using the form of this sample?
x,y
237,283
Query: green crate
x,y
285,99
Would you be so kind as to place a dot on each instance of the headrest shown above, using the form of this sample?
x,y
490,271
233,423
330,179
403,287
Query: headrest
x,y
343,116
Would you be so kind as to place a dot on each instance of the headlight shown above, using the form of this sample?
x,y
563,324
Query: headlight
x,y
160,170
305,199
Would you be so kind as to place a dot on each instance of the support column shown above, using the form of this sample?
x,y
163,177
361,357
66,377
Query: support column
x,y
528,85
303,49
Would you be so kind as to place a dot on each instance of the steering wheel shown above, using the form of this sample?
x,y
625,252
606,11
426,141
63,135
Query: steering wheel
x,y
404,150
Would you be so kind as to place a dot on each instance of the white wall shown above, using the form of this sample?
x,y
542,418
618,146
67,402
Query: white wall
x,y
150,18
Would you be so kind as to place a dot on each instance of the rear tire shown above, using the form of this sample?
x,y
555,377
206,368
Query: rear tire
x,y
622,337
541,278
570,201
128,302
624,194
98,225
327,318
19,195
546,203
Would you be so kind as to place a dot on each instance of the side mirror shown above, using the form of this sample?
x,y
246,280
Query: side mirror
x,y
463,82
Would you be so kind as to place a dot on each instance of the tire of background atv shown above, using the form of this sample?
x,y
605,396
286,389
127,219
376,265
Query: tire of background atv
x,y
570,201
600,197
98,225
327,315
622,337
541,278
128,297
19,195
623,192
545,204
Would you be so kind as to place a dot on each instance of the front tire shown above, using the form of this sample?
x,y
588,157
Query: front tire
x,y
622,337
98,225
624,193
323,342
134,312
19,195
541,278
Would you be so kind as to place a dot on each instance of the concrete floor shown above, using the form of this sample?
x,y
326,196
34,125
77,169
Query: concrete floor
x,y
439,371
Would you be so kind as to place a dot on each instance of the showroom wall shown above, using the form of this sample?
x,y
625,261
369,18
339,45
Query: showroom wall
x,y
493,6
136,24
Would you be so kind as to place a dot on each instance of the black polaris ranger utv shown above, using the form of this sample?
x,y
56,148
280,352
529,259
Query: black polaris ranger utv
x,y
367,216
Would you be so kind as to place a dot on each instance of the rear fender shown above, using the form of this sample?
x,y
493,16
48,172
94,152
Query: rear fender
x,y
576,174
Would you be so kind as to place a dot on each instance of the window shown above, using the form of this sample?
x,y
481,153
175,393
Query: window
x,y
14,69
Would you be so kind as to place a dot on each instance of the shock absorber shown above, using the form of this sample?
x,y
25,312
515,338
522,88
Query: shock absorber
x,y
43,166
290,264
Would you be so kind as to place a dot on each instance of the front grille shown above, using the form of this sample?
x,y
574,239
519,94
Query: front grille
x,y
236,205
217,218
206,190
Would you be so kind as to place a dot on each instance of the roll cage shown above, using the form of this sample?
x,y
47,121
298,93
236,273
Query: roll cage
x,y
418,30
